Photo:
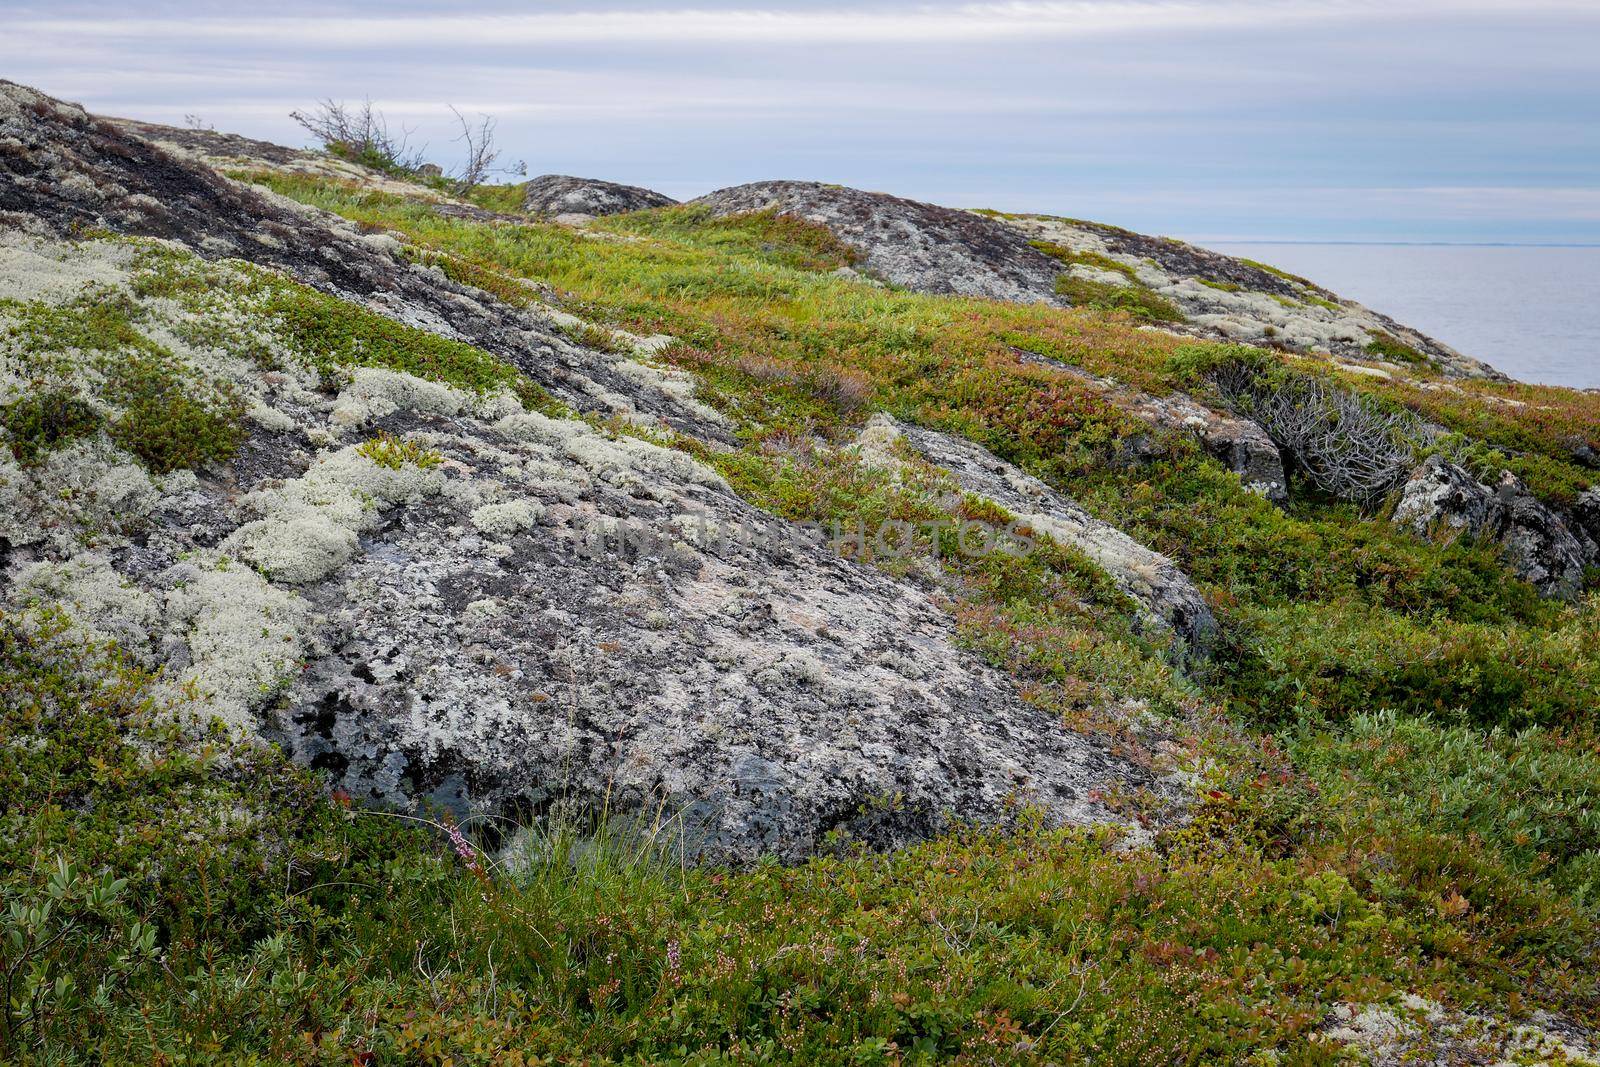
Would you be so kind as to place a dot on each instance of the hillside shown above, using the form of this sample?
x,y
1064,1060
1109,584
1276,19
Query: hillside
x,y
798,625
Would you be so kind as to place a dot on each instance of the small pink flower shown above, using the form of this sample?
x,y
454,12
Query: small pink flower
x,y
462,846
674,959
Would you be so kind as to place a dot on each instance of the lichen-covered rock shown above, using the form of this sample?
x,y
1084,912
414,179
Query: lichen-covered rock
x,y
1442,500
919,246
1417,1032
63,170
1586,515
1166,595
1237,443
438,596
564,197
1232,299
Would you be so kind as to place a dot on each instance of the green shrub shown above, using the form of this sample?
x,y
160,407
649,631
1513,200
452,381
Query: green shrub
x,y
1533,796
1342,659
1136,300
43,420
387,450
167,417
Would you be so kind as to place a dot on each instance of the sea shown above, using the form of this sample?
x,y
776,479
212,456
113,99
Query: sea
x,y
1533,311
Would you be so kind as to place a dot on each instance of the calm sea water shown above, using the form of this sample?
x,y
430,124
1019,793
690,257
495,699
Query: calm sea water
x,y
1532,312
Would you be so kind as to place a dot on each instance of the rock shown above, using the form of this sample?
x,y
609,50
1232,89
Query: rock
x,y
559,195
430,170
64,170
1418,1032
1586,514
1441,500
908,243
542,612
1165,594
1237,443
1232,299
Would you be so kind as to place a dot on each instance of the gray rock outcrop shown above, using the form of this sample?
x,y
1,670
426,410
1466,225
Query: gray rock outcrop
x,y
908,243
1230,299
543,612
565,197
1441,500
1166,596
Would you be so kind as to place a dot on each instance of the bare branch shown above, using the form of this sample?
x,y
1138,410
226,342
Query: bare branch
x,y
361,135
1343,442
481,153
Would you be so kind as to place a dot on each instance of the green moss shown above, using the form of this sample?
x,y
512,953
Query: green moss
x,y
167,417
1387,346
93,322
387,450
330,335
45,419
1222,286
1134,299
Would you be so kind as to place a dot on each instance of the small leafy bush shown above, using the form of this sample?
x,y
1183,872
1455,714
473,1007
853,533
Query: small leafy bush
x,y
41,421
387,450
1136,300
1340,660
169,419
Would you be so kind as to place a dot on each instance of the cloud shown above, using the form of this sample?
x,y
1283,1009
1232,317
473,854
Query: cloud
x,y
1023,20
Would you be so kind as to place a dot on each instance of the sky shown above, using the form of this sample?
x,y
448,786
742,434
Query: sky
x,y
1397,120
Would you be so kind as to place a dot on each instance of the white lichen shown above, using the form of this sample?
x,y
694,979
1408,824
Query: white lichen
x,y
310,526
513,516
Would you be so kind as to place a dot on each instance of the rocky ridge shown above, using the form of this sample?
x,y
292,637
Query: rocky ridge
x,y
907,243
435,593
567,199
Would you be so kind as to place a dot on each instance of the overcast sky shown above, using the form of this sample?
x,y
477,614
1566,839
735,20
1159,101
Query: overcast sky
x,y
1451,120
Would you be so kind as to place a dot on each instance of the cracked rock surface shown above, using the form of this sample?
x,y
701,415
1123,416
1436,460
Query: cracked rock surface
x,y
1443,500
1166,595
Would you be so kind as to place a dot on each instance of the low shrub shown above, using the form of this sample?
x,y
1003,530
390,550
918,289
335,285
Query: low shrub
x,y
45,419
1342,659
1136,300
168,418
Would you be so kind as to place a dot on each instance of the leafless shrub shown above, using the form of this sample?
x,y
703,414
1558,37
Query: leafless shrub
x,y
195,122
1344,443
482,153
360,134
845,389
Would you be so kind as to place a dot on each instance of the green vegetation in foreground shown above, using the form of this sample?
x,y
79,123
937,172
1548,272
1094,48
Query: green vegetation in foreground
x,y
1338,850
174,897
